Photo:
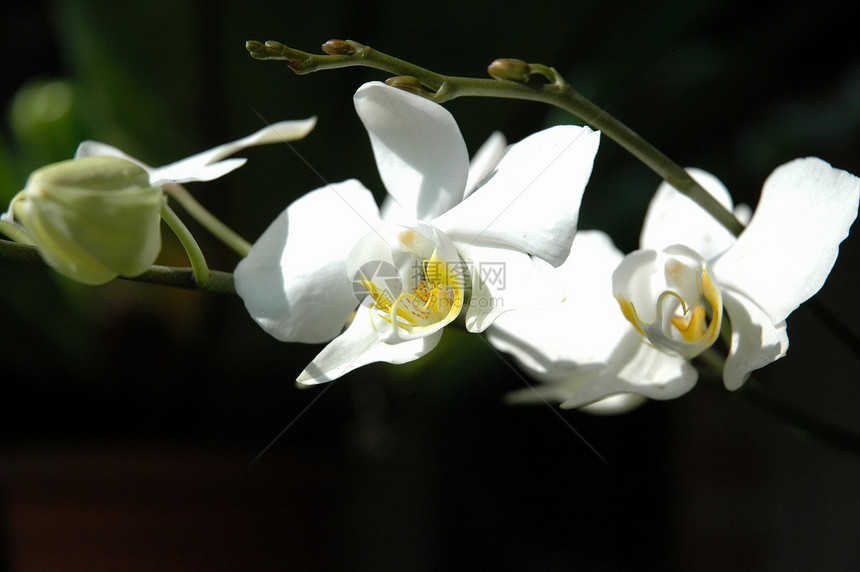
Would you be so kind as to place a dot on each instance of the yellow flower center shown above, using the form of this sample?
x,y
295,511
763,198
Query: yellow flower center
x,y
435,296
691,321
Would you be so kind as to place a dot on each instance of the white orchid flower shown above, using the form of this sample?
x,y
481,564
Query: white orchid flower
x,y
674,290
98,216
445,235
583,350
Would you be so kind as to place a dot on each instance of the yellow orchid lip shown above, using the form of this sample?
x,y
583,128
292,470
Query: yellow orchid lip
x,y
434,298
423,292
694,324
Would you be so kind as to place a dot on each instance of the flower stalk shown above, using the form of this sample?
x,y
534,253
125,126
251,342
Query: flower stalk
x,y
201,271
553,90
211,223
174,277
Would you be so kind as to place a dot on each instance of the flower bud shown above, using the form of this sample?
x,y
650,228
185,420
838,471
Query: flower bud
x,y
337,48
510,69
406,83
93,218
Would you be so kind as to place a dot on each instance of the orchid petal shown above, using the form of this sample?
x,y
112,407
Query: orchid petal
x,y
360,345
531,201
615,404
390,211
485,160
420,153
785,254
294,282
674,218
580,332
504,280
552,389
583,349
637,367
756,341
208,165
91,148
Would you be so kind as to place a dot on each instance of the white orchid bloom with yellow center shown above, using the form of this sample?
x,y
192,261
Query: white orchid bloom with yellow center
x,y
690,268
583,350
452,238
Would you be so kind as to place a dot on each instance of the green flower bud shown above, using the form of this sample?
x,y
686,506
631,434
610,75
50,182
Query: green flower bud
x,y
510,69
93,218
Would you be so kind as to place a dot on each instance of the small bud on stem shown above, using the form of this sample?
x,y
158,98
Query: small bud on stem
x,y
338,48
407,83
510,70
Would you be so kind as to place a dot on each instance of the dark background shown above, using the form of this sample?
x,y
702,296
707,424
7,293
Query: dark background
x,y
131,415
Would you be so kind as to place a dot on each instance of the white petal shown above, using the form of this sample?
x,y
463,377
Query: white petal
x,y
485,160
756,341
504,280
615,404
294,281
553,389
639,280
638,367
91,148
360,345
583,349
635,368
792,241
207,165
390,211
420,153
531,202
581,332
673,218
184,171
191,173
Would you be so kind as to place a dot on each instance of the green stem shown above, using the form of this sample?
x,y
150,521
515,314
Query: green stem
x,y
185,278
220,282
207,219
346,53
201,271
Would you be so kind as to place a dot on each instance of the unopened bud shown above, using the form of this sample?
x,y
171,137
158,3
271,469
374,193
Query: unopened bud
x,y
509,69
406,83
337,48
93,218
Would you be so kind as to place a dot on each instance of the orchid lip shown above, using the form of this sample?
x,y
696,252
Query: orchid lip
x,y
416,281
688,308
